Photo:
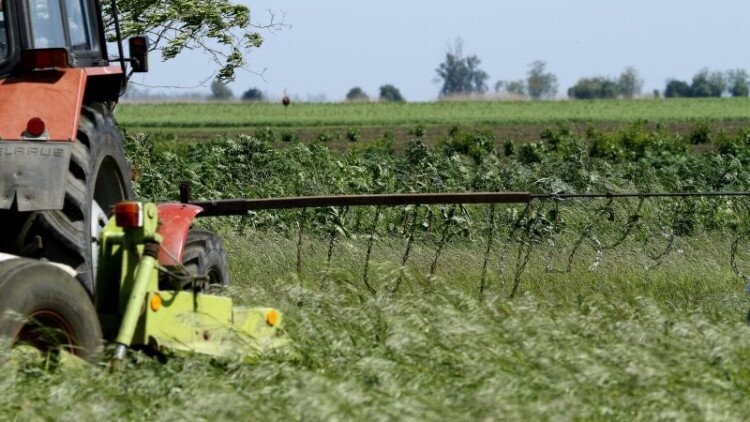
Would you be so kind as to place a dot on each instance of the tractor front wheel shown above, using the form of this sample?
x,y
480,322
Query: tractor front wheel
x,y
44,306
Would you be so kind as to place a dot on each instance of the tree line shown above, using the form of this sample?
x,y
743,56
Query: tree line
x,y
461,75
388,92
706,83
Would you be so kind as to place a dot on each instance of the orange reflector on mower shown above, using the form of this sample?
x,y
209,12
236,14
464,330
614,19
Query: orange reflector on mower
x,y
155,302
44,58
129,215
272,317
35,127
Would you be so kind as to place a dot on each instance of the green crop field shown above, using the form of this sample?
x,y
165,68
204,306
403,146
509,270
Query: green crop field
x,y
557,310
232,115
519,119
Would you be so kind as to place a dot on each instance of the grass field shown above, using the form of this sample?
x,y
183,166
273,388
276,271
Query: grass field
x,y
228,115
619,344
509,119
654,331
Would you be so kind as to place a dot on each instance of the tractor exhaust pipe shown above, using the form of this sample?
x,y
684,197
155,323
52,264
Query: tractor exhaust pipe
x,y
118,33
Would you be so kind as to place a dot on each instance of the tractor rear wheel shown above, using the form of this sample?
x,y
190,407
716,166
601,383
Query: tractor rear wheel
x,y
98,177
44,306
204,257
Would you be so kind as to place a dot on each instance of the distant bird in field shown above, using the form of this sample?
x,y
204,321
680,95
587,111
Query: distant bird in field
x,y
286,100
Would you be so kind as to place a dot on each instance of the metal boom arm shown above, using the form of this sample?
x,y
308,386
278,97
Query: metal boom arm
x,y
226,207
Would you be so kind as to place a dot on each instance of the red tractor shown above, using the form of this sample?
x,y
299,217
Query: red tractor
x,y
62,172
62,166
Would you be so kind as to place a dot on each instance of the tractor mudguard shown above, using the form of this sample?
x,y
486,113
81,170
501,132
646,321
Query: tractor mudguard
x,y
33,174
175,220
55,96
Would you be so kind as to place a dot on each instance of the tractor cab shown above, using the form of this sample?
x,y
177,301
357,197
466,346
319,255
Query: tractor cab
x,y
28,27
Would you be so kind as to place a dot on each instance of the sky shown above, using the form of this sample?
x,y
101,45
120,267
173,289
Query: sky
x,y
334,45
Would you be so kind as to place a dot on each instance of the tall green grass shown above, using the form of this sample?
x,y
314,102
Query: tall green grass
x,y
617,344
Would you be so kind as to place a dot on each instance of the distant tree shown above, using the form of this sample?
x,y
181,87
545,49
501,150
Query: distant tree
x,y
389,92
609,89
718,83
708,84
516,87
253,94
540,84
701,87
356,94
461,75
511,87
584,89
629,83
454,75
220,91
477,77
677,89
593,88
737,80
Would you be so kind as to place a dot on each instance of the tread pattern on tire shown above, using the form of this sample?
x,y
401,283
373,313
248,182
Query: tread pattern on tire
x,y
204,256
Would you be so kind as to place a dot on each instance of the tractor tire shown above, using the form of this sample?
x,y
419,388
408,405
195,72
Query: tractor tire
x,y
98,177
43,305
204,257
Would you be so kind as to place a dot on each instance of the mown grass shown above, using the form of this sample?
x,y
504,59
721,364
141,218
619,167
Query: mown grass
x,y
392,115
617,344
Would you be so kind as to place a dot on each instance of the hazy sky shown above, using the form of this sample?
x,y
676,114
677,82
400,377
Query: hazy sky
x,y
333,45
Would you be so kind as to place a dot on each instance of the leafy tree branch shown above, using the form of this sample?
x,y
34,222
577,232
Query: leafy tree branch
x,y
220,29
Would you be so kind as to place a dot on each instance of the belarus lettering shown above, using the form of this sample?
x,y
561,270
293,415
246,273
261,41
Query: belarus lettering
x,y
36,150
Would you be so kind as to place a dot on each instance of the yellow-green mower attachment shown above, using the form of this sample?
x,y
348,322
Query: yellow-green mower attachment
x,y
144,304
